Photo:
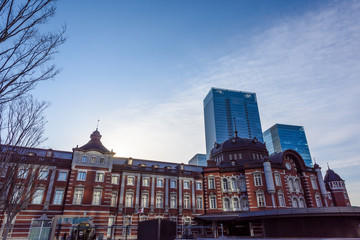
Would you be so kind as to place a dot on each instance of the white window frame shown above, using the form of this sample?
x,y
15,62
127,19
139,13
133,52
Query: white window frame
x,y
173,201
198,185
113,199
38,196
186,202
58,200
129,199
212,183
314,183
115,176
159,204
160,182
212,202
84,159
79,175
277,179
130,181
78,200
96,200
186,184
144,200
199,202
281,198
172,183
60,176
226,204
234,200
260,199
242,181
99,177
257,179
93,160
146,182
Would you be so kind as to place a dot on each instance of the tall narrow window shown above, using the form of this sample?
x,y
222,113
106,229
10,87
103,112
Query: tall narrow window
x,y
186,185
78,195
129,199
260,199
257,179
115,179
172,183
318,200
38,196
198,185
302,203
244,204
144,200
313,183
281,200
295,203
199,202
225,184
233,184
160,182
236,204
97,197
93,159
173,201
99,177
291,185
130,181
212,200
81,176
84,159
146,182
186,201
58,197
242,184
113,199
226,204
277,180
211,183
159,201
110,229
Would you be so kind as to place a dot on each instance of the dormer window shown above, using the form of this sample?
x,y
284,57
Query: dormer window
x,y
84,159
48,153
93,159
102,160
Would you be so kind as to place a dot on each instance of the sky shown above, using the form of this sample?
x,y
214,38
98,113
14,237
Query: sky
x,y
143,69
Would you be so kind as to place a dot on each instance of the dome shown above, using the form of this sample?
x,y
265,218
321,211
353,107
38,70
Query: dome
x,y
94,143
238,143
332,176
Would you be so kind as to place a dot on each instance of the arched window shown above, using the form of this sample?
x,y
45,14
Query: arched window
x,y
281,199
295,203
297,185
244,204
212,200
291,184
302,203
233,184
225,184
226,204
236,204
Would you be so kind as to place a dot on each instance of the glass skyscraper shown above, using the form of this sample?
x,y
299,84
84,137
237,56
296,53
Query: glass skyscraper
x,y
199,159
280,137
221,108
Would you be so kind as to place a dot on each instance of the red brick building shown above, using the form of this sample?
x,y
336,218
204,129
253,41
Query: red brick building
x,y
89,192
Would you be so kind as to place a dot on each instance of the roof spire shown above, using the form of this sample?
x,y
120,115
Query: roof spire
x,y
236,132
97,125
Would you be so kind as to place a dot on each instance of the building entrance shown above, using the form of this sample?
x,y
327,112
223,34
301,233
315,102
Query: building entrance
x,y
83,231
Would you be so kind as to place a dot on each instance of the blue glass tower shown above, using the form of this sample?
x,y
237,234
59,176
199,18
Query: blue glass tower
x,y
199,159
221,107
280,137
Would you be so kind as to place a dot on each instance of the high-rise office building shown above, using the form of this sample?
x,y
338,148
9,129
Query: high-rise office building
x,y
280,137
223,108
199,159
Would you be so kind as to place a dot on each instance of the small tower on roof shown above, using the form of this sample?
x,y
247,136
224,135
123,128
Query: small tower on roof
x,y
336,186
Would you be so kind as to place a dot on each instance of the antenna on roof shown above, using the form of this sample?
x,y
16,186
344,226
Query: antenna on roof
x,y
328,166
97,125
236,132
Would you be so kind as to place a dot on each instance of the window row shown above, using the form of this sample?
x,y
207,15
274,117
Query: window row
x,y
234,184
93,160
160,183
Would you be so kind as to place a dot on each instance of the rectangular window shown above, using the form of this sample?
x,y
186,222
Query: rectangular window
x,y
242,184
172,183
23,173
313,183
130,181
186,185
62,176
78,195
257,179
159,201
84,159
211,183
281,200
260,199
81,176
38,196
199,203
129,200
93,159
143,218
99,177
102,160
277,180
114,179
96,197
110,224
43,175
58,197
173,201
146,182
113,199
160,182
212,202
144,200
186,202
198,185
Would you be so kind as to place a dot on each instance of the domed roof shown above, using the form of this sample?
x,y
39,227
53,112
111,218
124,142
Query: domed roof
x,y
236,143
94,143
332,176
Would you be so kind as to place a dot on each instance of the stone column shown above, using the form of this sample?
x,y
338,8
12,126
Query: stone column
x,y
269,180
152,194
138,177
166,195
193,195
50,188
121,200
321,184
180,196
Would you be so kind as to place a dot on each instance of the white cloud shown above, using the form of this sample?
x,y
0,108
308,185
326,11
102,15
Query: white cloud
x,y
305,71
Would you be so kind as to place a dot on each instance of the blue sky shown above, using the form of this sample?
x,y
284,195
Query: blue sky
x,y
144,67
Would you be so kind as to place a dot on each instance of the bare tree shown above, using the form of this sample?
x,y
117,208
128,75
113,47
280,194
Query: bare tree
x,y
21,124
25,51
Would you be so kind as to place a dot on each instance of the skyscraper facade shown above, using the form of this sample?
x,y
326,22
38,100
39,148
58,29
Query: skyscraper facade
x,y
223,109
199,159
280,137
